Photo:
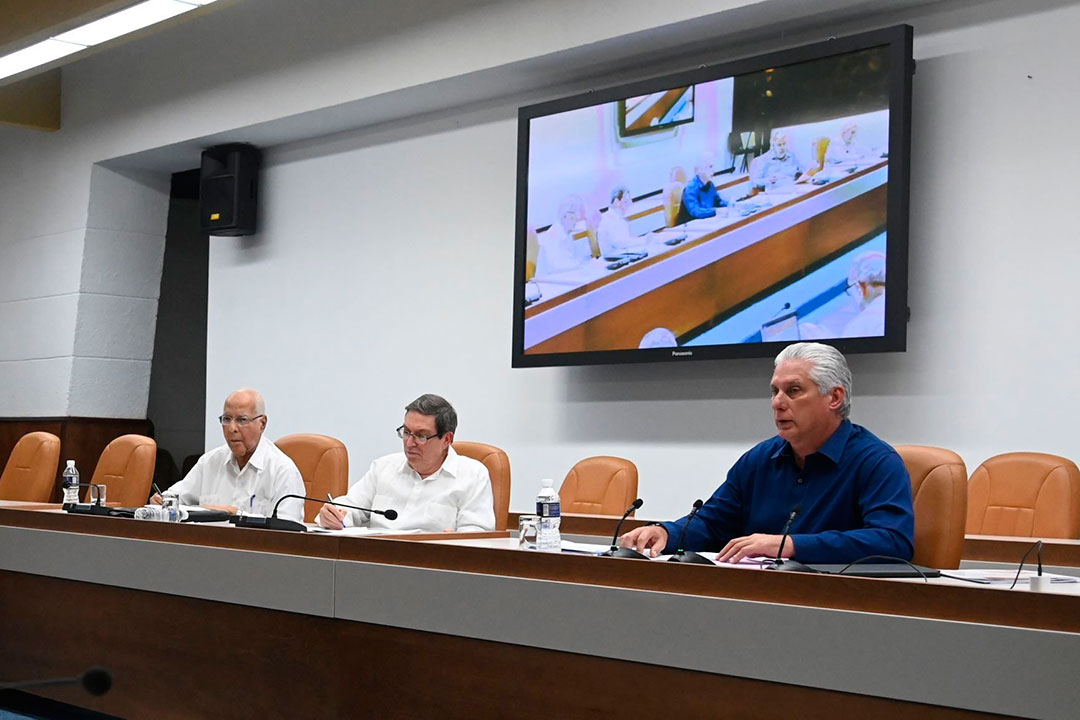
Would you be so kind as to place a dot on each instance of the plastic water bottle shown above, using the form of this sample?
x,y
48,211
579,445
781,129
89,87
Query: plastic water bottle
x,y
548,509
148,512
70,483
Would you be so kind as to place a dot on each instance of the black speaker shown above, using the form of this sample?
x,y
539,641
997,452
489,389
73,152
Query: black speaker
x,y
228,189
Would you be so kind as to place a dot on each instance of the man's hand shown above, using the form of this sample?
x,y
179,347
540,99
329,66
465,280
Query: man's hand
x,y
155,499
331,517
753,545
649,540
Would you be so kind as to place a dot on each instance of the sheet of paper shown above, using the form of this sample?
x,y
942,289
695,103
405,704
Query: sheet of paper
x,y
999,577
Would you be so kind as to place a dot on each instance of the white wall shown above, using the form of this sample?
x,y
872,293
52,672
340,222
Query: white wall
x,y
382,282
383,265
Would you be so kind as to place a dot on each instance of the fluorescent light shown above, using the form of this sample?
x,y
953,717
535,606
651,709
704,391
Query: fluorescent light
x,y
107,28
44,52
125,21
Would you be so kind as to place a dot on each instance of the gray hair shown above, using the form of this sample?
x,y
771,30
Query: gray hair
x,y
618,192
260,404
440,407
868,268
828,368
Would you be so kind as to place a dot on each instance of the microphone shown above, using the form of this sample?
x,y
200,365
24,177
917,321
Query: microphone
x,y
96,681
624,552
680,554
786,306
779,563
93,507
275,523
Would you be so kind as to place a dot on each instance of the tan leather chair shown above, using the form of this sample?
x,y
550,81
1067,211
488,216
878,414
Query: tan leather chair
x,y
939,492
601,485
532,250
323,463
30,473
818,149
672,202
498,465
126,468
1025,494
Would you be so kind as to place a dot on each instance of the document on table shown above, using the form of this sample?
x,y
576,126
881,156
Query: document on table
x,y
359,531
999,577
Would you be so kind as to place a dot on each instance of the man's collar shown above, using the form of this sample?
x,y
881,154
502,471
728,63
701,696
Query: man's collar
x,y
449,465
833,448
257,459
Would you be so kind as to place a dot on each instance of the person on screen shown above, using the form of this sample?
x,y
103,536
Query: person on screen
x,y
777,168
559,251
613,233
851,489
248,473
700,197
432,488
846,149
866,281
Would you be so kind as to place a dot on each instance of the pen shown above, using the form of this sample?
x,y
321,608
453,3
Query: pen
x,y
156,488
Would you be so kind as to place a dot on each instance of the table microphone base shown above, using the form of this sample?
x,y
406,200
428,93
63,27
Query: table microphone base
x,y
791,566
625,552
690,557
269,523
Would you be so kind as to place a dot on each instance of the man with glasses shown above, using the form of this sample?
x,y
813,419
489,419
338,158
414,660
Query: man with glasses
x,y
432,488
249,473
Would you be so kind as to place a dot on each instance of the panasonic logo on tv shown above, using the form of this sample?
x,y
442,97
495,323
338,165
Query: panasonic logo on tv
x,y
682,353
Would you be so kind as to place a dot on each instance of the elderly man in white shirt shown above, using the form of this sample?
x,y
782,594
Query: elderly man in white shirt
x,y
249,473
432,488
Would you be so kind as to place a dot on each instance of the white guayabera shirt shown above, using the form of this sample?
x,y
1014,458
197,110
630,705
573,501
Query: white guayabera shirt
x,y
456,497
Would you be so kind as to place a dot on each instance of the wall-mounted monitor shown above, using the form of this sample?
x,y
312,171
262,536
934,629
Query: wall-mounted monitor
x,y
719,212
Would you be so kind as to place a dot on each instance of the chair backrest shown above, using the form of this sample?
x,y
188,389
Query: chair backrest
x,y
592,225
939,494
30,473
601,485
323,463
672,202
497,463
678,174
532,250
1025,494
821,146
126,468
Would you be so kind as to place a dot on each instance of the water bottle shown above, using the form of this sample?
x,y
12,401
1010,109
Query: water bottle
x,y
548,509
70,483
148,512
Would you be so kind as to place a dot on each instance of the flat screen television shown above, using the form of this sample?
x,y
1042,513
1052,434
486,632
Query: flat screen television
x,y
725,211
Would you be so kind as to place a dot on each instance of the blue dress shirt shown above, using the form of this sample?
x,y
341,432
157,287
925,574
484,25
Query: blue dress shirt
x,y
855,495
699,200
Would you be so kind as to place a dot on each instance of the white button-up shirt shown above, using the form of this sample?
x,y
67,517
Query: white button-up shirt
x,y
256,488
456,497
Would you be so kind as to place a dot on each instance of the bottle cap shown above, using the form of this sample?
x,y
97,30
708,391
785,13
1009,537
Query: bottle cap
x,y
71,463
547,482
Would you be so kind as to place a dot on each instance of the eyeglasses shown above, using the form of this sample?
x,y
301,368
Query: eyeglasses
x,y
242,421
420,438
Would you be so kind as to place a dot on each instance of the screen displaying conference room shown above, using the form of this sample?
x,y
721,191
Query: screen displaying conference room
x,y
618,260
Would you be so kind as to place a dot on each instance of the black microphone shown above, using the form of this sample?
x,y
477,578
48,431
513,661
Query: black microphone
x,y
275,523
624,552
680,554
96,681
779,563
93,507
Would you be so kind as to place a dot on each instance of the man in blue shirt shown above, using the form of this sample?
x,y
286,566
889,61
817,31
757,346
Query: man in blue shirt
x,y
853,490
700,197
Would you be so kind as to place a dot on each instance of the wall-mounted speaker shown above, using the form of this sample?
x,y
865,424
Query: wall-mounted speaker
x,y
229,189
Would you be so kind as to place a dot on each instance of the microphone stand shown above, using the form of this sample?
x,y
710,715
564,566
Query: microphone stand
x,y
624,552
788,565
275,523
680,554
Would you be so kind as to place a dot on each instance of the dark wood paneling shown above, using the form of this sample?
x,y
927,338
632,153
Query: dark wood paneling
x,y
81,439
175,657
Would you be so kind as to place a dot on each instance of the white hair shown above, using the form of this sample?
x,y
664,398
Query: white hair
x,y
828,368
867,268
260,404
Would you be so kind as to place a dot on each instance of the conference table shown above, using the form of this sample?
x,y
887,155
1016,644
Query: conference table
x,y
210,620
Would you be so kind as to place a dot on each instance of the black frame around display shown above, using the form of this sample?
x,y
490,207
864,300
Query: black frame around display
x,y
898,42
